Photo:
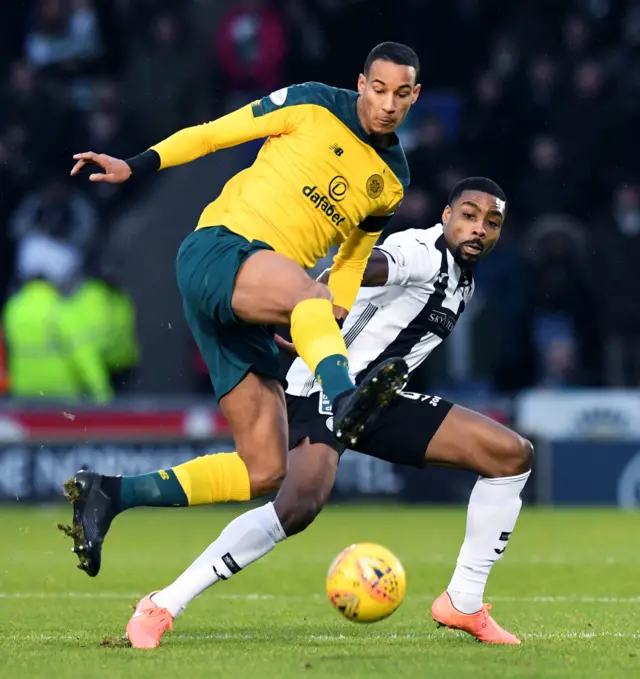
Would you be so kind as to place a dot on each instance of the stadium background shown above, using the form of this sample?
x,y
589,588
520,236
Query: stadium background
x,y
543,96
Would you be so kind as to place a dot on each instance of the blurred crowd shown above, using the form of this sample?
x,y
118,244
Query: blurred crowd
x,y
542,96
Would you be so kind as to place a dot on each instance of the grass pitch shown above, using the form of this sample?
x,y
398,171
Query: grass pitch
x,y
568,585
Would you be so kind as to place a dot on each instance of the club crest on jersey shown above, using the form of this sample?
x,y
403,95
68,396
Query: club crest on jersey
x,y
375,186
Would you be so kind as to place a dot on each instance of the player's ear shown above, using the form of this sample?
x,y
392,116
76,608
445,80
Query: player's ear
x,y
446,214
416,93
362,83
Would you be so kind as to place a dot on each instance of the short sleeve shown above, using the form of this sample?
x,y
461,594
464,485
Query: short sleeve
x,y
411,260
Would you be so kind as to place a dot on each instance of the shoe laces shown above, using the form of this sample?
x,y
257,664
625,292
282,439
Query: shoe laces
x,y
162,616
485,615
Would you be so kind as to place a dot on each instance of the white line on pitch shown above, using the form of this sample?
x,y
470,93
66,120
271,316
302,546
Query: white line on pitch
x,y
319,597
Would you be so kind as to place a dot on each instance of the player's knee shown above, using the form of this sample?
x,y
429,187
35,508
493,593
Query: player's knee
x,y
513,456
314,290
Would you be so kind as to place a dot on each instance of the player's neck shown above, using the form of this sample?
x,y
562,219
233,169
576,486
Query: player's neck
x,y
383,141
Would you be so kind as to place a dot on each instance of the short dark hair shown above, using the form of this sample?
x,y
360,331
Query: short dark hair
x,y
477,184
396,53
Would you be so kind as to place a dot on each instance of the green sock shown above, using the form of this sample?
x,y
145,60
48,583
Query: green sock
x,y
157,489
333,374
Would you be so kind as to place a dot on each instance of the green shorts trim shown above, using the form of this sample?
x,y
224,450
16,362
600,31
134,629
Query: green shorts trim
x,y
206,268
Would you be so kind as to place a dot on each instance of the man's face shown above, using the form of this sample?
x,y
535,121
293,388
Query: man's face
x,y
387,94
472,226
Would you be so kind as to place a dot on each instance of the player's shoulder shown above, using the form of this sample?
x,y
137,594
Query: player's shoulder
x,y
341,103
417,237
397,160
311,93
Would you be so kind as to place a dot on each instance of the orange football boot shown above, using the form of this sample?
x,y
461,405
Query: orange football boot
x,y
480,625
148,624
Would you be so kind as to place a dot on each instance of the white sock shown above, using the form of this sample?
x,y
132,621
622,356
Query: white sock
x,y
246,539
494,507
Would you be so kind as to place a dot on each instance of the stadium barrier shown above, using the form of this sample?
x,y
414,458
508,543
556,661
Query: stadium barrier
x,y
40,449
587,449
587,445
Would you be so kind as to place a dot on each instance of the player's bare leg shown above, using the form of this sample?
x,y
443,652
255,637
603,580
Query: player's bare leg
x,y
249,537
257,415
503,459
271,289
312,469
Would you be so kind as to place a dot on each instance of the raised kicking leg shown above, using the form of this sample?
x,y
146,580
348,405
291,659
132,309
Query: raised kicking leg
x,y
249,537
272,289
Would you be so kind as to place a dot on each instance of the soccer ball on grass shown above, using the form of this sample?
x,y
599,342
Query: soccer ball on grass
x,y
366,582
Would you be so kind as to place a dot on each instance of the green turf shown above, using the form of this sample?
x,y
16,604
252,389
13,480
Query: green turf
x,y
568,584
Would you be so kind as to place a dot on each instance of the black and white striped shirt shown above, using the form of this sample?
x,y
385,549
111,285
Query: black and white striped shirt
x,y
410,316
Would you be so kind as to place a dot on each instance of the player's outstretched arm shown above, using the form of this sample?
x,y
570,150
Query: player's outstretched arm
x,y
271,116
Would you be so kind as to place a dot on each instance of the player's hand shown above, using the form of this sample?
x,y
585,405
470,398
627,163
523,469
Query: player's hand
x,y
114,170
285,347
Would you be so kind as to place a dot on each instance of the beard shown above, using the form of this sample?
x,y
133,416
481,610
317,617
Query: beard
x,y
463,260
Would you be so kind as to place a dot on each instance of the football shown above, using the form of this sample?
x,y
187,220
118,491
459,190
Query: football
x,y
366,582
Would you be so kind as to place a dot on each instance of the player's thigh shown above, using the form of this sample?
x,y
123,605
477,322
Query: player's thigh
x,y
233,350
269,285
468,440
405,429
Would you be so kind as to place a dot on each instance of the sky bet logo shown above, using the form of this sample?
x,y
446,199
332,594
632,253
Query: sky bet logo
x,y
338,187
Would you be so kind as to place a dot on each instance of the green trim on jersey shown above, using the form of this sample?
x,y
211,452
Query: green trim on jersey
x,y
342,104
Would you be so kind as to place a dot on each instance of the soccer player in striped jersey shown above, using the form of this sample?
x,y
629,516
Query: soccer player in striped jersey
x,y
415,287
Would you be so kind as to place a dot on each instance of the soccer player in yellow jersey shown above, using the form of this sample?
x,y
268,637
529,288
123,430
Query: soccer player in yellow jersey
x,y
332,171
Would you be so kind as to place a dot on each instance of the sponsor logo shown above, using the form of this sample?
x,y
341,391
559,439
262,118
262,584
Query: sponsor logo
x,y
442,321
230,563
325,405
338,188
504,537
337,150
337,191
375,185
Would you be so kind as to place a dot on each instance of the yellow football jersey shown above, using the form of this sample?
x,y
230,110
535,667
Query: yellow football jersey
x,y
319,180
